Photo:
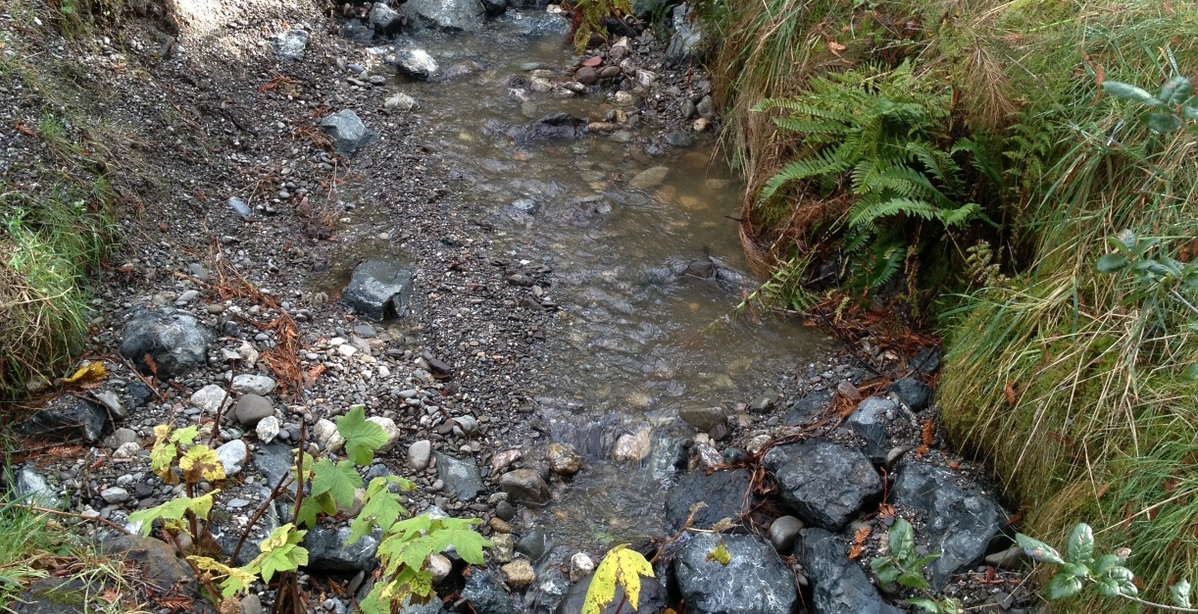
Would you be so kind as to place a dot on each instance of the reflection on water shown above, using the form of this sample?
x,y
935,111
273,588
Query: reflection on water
x,y
646,276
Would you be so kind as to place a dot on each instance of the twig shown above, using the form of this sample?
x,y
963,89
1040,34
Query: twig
x,y
144,379
274,493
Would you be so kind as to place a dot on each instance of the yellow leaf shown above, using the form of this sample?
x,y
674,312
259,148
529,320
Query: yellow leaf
x,y
93,372
720,555
201,463
621,566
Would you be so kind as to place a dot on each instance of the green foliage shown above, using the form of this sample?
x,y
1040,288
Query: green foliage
x,y
280,552
881,136
175,509
904,566
590,19
404,549
623,566
1168,110
362,437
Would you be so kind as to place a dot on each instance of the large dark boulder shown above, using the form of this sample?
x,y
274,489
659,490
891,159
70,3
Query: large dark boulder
x,y
723,492
486,594
824,483
379,289
839,586
960,523
69,419
175,341
329,550
755,580
869,421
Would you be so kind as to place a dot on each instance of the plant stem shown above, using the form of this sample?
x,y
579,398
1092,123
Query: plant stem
x,y
274,494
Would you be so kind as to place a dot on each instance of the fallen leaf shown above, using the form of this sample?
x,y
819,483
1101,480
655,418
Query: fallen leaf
x,y
92,372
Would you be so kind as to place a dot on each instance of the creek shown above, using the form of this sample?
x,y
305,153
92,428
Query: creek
x,y
647,278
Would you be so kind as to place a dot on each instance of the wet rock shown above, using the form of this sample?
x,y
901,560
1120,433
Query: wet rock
x,y
329,550
78,420
252,408
379,289
347,131
633,447
112,403
823,483
840,586
764,402
419,454
247,383
960,523
33,489
525,486
461,477
447,15
784,531
533,545
233,455
912,393
652,599
706,108
581,566
487,595
416,63
586,75
755,581
401,102
552,126
175,341
649,178
505,511
384,19
563,459
495,7
518,574
808,408
502,460
703,418
723,492
267,429
679,139
356,31
687,44
290,45
869,422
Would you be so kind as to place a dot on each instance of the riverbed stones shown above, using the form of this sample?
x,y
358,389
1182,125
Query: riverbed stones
x,y
461,477
869,422
649,178
912,393
651,600
722,492
401,102
329,550
73,419
518,574
823,483
687,42
248,383
784,531
419,454
416,63
581,566
487,595
156,559
525,486
290,45
960,523
233,456
446,15
755,580
251,409
384,19
391,430
348,132
210,399
563,459
703,417
176,342
839,586
633,447
808,408
379,289
33,489
114,494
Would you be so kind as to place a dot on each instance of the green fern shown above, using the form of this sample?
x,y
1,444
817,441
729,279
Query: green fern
x,y
883,136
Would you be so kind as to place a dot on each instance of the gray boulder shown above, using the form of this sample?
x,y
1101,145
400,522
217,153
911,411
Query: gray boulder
x,y
415,63
348,132
809,407
912,393
755,581
461,477
723,492
687,43
839,586
525,486
495,7
447,15
73,420
379,289
33,489
823,483
329,550
960,523
869,422
175,341
290,45
384,19
486,594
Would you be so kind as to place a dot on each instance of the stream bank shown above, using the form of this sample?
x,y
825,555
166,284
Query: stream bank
x,y
559,296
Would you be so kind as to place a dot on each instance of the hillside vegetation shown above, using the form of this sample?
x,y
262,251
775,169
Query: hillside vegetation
x,y
965,157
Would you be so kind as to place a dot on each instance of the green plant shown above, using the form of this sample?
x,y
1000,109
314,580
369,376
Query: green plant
x,y
621,566
1082,567
903,566
590,19
879,136
1168,110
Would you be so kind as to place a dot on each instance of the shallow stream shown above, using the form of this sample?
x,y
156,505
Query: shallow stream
x,y
647,278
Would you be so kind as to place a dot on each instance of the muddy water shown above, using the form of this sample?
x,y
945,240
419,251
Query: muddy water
x,y
647,278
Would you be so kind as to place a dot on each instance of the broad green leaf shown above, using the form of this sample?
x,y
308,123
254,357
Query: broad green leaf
x,y
313,505
1062,586
1162,123
1176,90
338,480
200,463
1124,579
362,437
1127,91
412,527
720,555
1080,547
236,580
1105,563
914,579
1075,569
1109,263
1107,587
1191,373
925,604
1038,550
173,510
1190,112
885,570
1180,593
281,552
621,566
162,457
185,436
902,540
381,508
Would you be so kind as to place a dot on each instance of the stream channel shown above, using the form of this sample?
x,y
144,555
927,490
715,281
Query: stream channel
x,y
647,278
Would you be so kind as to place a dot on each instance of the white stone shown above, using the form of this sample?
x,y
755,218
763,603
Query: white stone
x,y
257,384
327,436
210,399
126,450
267,429
392,431
233,456
115,494
419,453
247,353
347,350
440,566
581,566
632,447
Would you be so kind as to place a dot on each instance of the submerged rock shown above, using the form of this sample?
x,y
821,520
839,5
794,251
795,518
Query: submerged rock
x,y
824,483
379,289
755,580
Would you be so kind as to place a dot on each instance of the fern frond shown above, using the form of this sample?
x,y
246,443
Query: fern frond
x,y
865,213
825,162
952,218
